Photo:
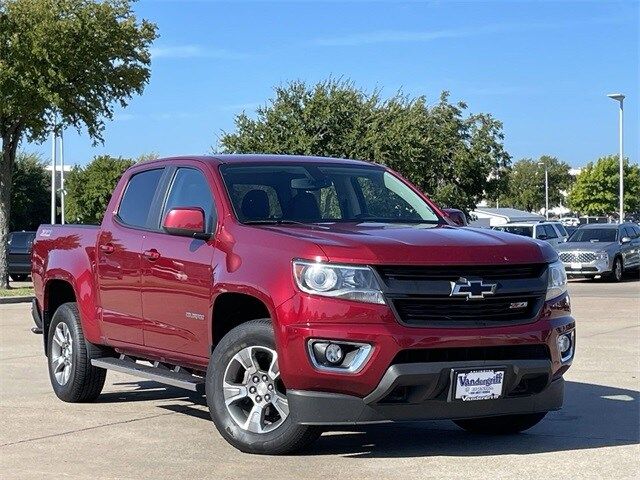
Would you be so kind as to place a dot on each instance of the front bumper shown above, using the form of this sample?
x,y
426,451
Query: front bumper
x,y
596,267
413,392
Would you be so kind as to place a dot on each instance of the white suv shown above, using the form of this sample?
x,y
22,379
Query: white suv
x,y
552,232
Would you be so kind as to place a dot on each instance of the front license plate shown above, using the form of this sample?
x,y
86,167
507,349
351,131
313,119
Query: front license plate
x,y
576,266
471,385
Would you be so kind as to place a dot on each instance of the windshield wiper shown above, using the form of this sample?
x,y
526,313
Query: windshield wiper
x,y
283,221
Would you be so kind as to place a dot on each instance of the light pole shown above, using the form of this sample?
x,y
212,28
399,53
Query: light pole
x,y
53,170
620,98
546,190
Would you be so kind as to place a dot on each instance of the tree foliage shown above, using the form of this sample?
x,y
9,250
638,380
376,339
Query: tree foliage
x,y
457,159
596,191
30,194
526,183
77,58
89,188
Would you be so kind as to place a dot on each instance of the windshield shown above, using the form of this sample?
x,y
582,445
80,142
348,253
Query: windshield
x,y
594,235
525,231
315,193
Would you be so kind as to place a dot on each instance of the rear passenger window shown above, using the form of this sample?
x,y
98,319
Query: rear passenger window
x,y
136,201
191,189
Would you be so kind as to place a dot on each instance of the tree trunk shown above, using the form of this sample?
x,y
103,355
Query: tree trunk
x,y
10,140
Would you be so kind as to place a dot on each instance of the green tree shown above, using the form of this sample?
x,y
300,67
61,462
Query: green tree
x,y
457,159
596,191
526,183
30,193
75,58
89,189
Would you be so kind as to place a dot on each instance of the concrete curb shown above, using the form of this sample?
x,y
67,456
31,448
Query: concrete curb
x,y
9,300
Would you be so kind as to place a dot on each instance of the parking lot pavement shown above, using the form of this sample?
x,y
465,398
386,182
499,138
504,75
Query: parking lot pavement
x,y
142,430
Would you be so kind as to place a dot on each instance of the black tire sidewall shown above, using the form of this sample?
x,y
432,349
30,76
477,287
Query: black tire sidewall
x,y
617,261
281,440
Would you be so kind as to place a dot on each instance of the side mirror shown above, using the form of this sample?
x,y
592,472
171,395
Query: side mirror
x,y
624,240
185,221
542,237
456,216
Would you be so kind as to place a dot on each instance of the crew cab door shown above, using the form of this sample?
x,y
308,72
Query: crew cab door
x,y
118,266
177,273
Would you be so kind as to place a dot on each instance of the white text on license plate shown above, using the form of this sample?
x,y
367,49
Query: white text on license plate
x,y
478,384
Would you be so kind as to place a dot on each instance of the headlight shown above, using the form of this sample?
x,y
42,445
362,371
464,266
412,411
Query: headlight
x,y
602,256
557,280
340,281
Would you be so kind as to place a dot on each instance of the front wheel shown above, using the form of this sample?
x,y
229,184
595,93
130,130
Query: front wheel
x,y
618,270
501,425
246,397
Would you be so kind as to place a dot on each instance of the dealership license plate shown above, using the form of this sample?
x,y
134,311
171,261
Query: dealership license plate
x,y
576,266
484,384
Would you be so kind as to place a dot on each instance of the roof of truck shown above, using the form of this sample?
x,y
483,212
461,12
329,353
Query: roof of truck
x,y
266,158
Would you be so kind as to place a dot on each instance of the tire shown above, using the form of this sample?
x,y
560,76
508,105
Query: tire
x,y
77,380
617,272
246,354
501,425
19,277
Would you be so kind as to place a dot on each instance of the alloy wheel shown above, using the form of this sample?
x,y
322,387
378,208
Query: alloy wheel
x,y
253,392
62,353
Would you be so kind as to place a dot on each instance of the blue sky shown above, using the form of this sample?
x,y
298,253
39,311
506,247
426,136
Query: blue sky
x,y
542,68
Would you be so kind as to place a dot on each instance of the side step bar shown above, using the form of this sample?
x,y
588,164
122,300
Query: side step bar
x,y
158,372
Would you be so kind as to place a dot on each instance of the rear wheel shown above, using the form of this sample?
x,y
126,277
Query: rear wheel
x,y
72,376
246,397
501,425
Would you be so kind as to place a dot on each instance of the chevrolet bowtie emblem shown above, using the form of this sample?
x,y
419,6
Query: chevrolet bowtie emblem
x,y
472,288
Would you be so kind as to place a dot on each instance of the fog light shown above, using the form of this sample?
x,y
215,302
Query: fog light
x,y
333,353
338,355
565,345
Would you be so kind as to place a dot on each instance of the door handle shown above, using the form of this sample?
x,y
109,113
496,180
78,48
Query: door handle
x,y
151,255
107,248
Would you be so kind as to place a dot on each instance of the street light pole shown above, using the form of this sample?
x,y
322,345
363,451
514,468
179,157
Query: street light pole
x,y
53,170
620,98
546,190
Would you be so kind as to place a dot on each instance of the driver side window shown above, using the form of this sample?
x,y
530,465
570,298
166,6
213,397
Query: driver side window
x,y
190,188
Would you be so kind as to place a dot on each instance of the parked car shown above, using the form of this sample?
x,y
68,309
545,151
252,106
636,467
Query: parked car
x,y
570,230
602,250
19,255
552,232
570,221
301,292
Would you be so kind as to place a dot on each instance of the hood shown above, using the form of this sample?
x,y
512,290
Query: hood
x,y
378,243
585,246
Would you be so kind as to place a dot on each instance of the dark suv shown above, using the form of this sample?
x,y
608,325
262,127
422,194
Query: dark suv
x,y
20,244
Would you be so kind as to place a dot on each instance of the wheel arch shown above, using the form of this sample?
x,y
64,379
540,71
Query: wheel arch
x,y
233,308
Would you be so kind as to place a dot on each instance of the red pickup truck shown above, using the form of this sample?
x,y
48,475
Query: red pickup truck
x,y
300,292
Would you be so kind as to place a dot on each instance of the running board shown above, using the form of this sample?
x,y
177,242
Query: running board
x,y
158,372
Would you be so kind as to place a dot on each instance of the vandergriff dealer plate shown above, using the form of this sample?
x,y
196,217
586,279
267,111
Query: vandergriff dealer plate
x,y
485,384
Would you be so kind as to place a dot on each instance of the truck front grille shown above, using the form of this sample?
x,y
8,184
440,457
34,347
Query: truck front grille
x,y
469,354
452,273
431,311
421,295
577,257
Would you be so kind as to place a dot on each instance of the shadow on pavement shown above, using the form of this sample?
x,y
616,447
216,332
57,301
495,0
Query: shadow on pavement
x,y
593,416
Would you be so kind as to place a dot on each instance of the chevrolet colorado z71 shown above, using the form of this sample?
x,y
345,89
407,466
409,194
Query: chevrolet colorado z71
x,y
299,292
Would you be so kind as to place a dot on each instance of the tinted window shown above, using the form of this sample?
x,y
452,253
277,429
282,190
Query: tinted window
x,y
561,229
136,202
190,189
322,193
517,230
594,235
636,231
21,239
628,232
550,231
